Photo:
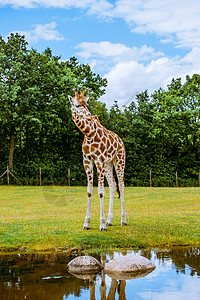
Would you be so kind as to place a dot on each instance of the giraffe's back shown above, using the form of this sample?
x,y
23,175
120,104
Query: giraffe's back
x,y
105,146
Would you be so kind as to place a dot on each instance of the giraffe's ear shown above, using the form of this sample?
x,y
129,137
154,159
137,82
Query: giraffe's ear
x,y
82,100
82,93
76,94
70,98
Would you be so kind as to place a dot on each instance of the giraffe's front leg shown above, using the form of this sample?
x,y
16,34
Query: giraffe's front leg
x,y
86,225
102,217
89,171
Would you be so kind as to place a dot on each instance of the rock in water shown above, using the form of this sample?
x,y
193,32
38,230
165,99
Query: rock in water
x,y
128,267
84,264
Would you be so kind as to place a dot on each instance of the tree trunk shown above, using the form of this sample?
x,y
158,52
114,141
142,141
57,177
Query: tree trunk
x,y
11,152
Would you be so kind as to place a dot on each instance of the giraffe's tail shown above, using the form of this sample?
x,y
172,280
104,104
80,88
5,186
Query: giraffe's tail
x,y
116,179
118,189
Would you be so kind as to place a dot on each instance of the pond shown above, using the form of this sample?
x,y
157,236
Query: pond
x,y
44,276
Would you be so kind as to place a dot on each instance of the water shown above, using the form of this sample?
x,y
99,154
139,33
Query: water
x,y
44,276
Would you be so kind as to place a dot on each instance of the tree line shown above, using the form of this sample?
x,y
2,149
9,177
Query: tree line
x,y
161,131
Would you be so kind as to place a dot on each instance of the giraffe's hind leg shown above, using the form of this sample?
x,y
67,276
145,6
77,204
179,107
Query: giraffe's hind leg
x,y
119,168
112,185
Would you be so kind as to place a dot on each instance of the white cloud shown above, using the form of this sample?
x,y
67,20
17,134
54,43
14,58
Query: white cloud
x,y
94,6
173,21
131,70
193,57
126,79
188,288
18,3
104,55
178,22
103,49
97,7
116,50
42,32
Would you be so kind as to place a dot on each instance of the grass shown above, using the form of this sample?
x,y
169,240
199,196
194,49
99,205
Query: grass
x,y
51,218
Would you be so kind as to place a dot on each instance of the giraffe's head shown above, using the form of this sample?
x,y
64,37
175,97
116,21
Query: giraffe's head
x,y
79,105
78,100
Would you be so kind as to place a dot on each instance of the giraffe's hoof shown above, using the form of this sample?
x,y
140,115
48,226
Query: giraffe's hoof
x,y
86,227
103,229
124,223
108,224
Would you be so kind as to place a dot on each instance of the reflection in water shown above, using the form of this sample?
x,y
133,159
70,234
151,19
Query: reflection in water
x,y
115,287
36,276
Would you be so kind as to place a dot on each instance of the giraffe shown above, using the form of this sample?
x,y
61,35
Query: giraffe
x,y
105,149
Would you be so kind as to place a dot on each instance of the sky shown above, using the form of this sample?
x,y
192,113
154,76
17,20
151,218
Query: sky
x,y
136,44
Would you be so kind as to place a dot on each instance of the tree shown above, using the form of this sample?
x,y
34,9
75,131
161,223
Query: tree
x,y
33,94
93,84
12,58
32,89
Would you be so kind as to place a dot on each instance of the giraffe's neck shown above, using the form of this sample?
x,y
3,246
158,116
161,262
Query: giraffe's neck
x,y
85,125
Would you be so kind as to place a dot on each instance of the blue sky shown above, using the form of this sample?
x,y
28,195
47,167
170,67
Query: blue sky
x,y
135,44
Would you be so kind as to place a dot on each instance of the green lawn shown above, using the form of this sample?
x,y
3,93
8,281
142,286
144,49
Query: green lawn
x,y
51,218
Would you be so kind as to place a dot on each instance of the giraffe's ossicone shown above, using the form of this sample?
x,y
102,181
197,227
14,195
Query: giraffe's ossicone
x,y
105,149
